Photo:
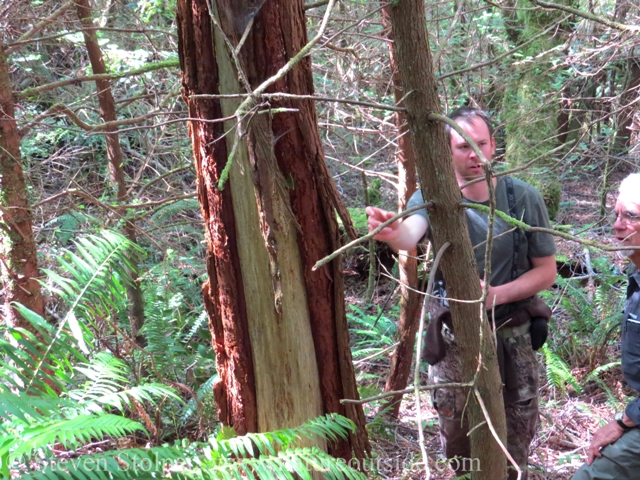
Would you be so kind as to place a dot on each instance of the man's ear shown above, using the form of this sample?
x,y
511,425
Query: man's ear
x,y
493,146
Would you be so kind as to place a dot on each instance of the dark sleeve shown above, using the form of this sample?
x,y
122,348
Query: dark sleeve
x,y
414,201
630,345
536,215
633,411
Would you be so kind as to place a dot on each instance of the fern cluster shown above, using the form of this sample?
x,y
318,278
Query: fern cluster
x,y
584,327
558,372
60,393
178,347
265,456
371,334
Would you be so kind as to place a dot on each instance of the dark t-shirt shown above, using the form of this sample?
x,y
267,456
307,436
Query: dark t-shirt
x,y
530,208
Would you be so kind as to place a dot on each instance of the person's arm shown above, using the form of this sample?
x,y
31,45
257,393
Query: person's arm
x,y
400,235
606,435
541,276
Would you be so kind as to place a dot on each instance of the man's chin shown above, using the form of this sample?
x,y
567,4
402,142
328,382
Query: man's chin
x,y
473,175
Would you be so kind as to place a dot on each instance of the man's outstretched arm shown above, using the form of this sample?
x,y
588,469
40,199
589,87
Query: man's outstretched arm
x,y
400,235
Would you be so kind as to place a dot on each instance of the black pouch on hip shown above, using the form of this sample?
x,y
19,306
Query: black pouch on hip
x,y
539,332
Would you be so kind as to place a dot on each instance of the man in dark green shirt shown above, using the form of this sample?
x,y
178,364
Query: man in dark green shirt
x,y
510,288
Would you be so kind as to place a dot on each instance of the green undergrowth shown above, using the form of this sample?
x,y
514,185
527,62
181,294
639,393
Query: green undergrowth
x,y
74,383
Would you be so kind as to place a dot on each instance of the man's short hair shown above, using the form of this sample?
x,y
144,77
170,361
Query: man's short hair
x,y
630,187
469,114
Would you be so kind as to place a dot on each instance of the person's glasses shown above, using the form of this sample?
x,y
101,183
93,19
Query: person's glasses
x,y
625,217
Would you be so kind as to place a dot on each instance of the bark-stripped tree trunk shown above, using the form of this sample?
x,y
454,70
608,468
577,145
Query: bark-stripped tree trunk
x,y
279,329
410,300
433,158
114,154
18,262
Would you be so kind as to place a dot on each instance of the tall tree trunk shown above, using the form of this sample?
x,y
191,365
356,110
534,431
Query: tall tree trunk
x,y
433,157
531,101
279,329
114,154
18,261
625,118
410,300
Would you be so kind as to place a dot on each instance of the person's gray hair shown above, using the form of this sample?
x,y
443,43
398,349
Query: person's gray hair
x,y
630,186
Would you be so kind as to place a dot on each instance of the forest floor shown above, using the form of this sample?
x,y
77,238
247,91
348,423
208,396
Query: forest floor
x,y
567,420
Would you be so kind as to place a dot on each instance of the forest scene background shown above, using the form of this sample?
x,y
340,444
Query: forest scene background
x,y
118,354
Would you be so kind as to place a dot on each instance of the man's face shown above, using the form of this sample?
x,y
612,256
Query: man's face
x,y
465,162
627,226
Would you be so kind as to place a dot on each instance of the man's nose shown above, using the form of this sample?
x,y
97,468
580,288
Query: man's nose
x,y
618,224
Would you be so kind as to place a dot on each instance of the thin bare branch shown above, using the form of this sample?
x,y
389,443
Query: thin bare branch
x,y
143,31
588,16
356,23
30,92
114,208
71,115
309,6
416,372
278,96
38,27
504,55
349,245
423,388
494,433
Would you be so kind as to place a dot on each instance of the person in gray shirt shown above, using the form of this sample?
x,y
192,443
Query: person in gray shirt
x,y
613,452
515,280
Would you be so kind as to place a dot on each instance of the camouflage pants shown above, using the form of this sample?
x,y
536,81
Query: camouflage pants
x,y
521,403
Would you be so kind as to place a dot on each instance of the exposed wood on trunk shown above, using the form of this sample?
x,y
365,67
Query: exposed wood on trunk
x,y
447,219
410,300
283,204
223,293
18,261
301,159
287,388
114,154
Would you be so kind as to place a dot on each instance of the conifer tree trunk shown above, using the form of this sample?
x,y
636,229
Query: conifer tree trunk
x,y
532,100
625,117
410,300
18,261
447,219
279,329
114,154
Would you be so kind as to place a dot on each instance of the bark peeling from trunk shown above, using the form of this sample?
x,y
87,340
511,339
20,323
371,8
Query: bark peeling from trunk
x,y
223,292
283,207
312,194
